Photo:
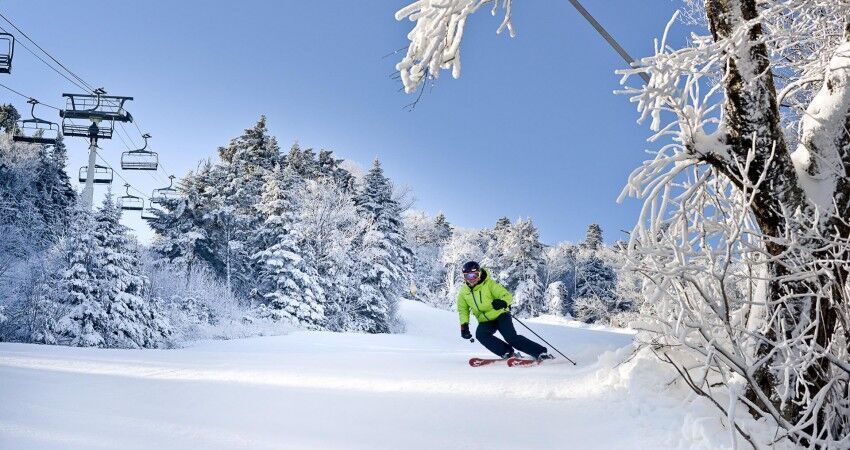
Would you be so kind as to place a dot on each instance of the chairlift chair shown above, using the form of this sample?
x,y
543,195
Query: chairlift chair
x,y
140,159
167,193
7,51
102,174
130,202
97,106
151,212
35,130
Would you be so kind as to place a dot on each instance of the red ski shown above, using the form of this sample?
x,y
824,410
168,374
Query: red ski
x,y
478,362
512,362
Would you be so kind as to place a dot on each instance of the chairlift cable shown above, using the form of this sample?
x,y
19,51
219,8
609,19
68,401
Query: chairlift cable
x,y
82,84
19,42
26,96
607,36
48,54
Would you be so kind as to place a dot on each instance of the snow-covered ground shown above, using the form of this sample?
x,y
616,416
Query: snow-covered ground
x,y
353,391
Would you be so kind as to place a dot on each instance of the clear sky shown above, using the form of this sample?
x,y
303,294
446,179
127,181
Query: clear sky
x,y
532,127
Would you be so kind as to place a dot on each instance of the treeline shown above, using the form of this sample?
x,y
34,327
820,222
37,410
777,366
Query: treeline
x,y
258,241
585,281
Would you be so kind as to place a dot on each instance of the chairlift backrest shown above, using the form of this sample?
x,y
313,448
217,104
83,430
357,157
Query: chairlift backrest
x,y
7,51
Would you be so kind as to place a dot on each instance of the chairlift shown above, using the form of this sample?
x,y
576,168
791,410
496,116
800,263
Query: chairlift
x,y
160,195
7,50
140,159
130,202
97,106
151,212
102,110
35,130
102,174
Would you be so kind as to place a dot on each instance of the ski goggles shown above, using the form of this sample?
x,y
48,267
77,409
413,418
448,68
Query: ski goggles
x,y
471,275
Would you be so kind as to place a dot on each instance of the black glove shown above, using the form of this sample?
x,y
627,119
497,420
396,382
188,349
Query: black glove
x,y
499,304
464,331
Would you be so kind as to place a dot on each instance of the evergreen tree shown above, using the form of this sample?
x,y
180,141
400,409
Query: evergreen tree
x,y
443,229
329,167
8,117
131,321
78,290
595,296
288,279
384,254
522,256
594,237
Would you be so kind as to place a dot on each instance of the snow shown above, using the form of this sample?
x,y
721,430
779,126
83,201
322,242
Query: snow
x,y
817,158
346,390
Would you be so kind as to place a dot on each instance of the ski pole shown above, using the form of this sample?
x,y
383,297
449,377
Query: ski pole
x,y
544,340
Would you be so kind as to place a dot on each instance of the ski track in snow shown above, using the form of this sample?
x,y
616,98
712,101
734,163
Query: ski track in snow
x,y
325,390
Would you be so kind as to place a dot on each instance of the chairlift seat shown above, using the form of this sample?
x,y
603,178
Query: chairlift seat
x,y
7,50
167,193
139,160
36,130
131,203
150,213
102,174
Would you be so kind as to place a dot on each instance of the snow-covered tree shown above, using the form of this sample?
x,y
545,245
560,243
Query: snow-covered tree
x,y
8,117
522,273
288,280
130,320
384,254
593,239
328,225
595,297
427,236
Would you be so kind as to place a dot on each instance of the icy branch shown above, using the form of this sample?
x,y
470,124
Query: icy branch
x,y
435,39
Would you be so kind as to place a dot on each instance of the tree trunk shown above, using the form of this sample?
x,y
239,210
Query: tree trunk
x,y
752,123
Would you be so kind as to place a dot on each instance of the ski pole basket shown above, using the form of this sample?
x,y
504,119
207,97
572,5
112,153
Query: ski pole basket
x,y
130,202
36,130
140,159
7,51
102,174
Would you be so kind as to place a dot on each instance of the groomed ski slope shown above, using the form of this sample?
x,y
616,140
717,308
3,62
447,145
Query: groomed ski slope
x,y
351,391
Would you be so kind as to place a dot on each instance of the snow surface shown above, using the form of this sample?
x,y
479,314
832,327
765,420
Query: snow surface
x,y
353,391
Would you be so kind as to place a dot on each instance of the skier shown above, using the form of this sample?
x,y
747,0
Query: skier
x,y
490,303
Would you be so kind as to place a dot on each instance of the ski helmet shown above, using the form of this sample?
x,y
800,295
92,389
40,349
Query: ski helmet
x,y
470,266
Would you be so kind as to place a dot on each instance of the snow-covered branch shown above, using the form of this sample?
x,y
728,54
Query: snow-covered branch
x,y
435,39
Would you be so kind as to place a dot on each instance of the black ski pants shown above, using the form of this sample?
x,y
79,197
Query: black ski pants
x,y
505,326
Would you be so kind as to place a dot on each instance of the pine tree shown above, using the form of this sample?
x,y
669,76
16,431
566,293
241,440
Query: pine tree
x,y
384,254
288,279
594,237
522,256
79,289
131,321
8,117
595,296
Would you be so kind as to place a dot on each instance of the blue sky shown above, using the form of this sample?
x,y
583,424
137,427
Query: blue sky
x,y
530,129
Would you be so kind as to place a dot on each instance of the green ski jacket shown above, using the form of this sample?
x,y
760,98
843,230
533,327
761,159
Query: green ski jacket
x,y
480,298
